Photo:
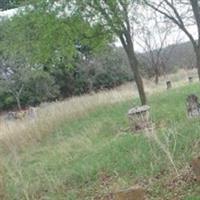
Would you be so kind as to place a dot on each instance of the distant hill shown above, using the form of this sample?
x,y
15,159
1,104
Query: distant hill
x,y
182,55
174,56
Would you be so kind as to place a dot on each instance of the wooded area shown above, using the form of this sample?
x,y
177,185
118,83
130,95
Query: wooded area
x,y
56,49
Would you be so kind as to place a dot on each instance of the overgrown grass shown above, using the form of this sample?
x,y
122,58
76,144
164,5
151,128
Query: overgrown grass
x,y
22,133
94,154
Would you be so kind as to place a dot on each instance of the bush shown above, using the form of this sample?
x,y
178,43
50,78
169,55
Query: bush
x,y
47,83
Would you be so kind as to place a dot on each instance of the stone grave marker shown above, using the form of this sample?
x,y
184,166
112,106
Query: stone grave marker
x,y
134,193
190,78
196,168
193,106
139,118
169,85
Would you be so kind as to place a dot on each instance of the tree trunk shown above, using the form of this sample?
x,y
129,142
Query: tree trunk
x,y
127,43
156,75
198,68
18,103
134,67
156,79
197,52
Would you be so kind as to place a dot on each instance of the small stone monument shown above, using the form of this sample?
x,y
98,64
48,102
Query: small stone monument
x,y
169,85
139,118
134,193
193,106
190,78
10,116
195,164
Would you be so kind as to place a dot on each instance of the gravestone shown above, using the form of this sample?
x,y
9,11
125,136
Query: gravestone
x,y
10,116
190,78
193,106
196,168
139,118
134,193
169,85
31,113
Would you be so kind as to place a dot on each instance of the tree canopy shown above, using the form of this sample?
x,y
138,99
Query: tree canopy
x,y
43,37
8,4
48,40
115,16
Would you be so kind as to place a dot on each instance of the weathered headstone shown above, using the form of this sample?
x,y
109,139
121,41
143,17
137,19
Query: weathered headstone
x,y
169,85
193,106
31,113
139,118
190,78
134,193
20,115
195,164
10,116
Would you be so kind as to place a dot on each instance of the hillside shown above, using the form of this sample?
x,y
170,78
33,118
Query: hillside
x,y
175,57
182,55
91,154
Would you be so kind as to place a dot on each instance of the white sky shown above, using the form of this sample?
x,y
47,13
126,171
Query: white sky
x,y
177,36
8,13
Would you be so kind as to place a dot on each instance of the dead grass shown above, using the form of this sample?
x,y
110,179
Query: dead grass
x,y
20,133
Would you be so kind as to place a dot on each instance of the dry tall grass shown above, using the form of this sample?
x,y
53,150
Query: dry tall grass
x,y
18,134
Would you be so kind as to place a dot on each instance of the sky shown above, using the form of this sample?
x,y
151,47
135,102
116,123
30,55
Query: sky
x,y
8,13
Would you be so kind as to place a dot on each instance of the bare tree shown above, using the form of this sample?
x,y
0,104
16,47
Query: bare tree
x,y
153,36
182,13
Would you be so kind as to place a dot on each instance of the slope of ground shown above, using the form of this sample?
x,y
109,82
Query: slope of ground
x,y
92,154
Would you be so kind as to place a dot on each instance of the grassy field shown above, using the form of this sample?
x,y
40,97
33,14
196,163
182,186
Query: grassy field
x,y
87,152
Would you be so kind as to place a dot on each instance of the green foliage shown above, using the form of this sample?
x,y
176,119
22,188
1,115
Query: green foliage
x,y
19,83
40,87
112,69
43,37
7,4
111,14
36,36
101,71
6,100
13,77
105,70
50,41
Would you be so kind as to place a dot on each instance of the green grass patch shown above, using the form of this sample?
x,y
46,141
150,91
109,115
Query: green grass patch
x,y
70,163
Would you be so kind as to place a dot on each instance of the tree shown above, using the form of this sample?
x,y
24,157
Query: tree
x,y
183,14
13,77
115,16
51,43
8,4
153,36
40,87
105,70
25,84
45,36
5,4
